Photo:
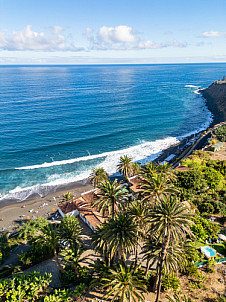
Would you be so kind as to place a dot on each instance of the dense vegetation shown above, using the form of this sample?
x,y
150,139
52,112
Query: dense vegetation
x,y
220,133
149,237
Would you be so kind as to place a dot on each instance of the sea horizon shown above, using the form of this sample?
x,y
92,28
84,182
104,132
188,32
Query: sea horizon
x,y
60,121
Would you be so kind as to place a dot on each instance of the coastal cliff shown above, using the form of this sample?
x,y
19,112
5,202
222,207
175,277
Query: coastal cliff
x,y
215,96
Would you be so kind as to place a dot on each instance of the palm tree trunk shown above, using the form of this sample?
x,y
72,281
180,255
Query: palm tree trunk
x,y
120,254
136,255
113,209
156,279
163,255
147,268
57,261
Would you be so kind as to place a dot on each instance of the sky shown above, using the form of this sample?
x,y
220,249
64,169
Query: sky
x,y
112,31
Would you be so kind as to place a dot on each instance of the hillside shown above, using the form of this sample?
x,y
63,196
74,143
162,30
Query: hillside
x,y
215,95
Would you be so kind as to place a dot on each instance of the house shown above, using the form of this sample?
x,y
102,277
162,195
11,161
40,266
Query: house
x,y
83,207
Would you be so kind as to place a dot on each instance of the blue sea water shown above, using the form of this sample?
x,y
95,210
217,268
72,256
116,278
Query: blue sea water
x,y
59,122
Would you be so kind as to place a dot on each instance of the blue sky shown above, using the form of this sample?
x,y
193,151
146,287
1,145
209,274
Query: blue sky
x,y
97,31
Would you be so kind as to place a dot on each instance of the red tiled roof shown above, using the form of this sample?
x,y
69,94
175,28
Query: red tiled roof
x,y
135,181
84,205
68,206
182,168
88,197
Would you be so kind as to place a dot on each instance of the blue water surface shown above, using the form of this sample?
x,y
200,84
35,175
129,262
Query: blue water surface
x,y
52,114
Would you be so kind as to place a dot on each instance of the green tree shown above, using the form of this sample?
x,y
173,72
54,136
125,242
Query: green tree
x,y
175,258
125,166
138,211
4,246
149,169
153,187
192,179
70,230
123,283
23,287
171,224
118,236
166,171
72,255
67,196
108,196
97,176
136,168
30,228
50,238
213,178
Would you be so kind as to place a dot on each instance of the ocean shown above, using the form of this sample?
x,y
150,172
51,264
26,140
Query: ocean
x,y
57,123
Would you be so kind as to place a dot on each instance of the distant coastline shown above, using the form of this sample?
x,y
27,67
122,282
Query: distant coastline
x,y
215,96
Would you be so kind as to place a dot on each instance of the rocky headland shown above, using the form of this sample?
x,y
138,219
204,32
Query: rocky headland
x,y
215,96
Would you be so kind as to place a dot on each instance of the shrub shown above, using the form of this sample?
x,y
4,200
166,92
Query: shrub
x,y
23,287
70,275
199,232
206,207
4,247
192,270
210,266
61,295
30,228
170,281
213,178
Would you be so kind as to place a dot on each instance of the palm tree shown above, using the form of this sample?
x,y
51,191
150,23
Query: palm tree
x,y
109,195
72,255
166,171
175,255
70,230
136,168
97,176
68,196
171,224
149,168
118,236
153,187
125,166
122,283
50,238
138,211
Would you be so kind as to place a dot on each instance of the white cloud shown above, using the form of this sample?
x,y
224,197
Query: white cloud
x,y
118,34
123,37
212,33
34,41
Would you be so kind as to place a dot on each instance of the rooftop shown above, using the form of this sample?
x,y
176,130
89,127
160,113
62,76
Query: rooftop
x,y
84,205
182,168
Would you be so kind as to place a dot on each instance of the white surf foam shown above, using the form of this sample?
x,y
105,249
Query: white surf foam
x,y
145,152
138,152
191,86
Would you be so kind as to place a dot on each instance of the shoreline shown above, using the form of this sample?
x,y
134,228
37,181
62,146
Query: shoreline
x,y
14,213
